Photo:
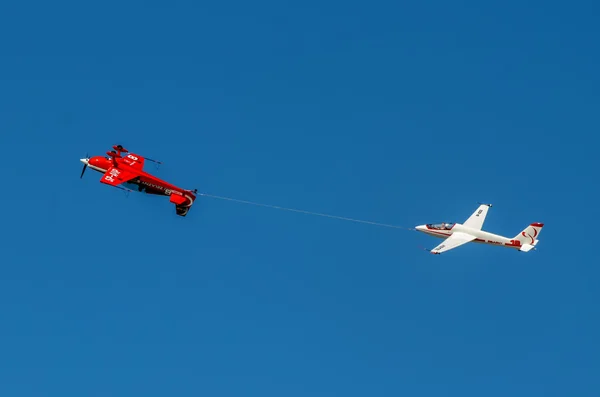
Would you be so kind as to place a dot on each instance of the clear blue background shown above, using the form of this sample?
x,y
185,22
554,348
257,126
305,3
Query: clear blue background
x,y
383,111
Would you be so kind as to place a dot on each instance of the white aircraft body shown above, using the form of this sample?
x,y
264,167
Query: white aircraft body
x,y
457,234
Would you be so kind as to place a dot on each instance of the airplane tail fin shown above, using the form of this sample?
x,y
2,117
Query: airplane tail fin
x,y
528,237
184,203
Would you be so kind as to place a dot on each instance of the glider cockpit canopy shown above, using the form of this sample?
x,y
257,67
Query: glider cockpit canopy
x,y
440,226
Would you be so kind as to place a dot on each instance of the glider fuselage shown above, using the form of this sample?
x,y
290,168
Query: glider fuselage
x,y
481,236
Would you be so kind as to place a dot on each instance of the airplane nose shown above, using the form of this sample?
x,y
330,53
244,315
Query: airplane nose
x,y
84,161
420,228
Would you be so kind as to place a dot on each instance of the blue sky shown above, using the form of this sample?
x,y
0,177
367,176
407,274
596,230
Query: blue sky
x,y
389,112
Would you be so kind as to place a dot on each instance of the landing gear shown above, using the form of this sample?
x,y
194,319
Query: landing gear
x,y
140,186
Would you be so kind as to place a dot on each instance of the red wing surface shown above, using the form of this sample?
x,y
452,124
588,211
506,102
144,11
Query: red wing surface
x,y
115,176
134,160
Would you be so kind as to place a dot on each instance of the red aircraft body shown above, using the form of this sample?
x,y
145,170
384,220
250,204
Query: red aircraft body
x,y
128,170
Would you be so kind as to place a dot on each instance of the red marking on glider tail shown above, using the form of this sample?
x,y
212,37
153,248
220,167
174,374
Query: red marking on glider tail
x,y
529,234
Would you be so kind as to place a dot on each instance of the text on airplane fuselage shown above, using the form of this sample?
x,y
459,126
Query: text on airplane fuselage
x,y
159,187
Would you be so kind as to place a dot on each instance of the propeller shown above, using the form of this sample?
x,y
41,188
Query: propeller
x,y
84,166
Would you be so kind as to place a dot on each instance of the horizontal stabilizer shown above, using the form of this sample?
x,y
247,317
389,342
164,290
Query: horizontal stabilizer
x,y
526,247
177,199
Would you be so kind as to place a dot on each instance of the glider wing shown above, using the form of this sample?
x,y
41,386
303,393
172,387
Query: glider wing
x,y
455,240
478,217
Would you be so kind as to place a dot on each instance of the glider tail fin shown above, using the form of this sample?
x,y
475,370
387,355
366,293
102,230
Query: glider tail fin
x,y
528,237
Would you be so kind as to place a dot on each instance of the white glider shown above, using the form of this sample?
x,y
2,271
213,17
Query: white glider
x,y
457,234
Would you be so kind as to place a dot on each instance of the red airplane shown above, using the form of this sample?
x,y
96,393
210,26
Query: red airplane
x,y
128,171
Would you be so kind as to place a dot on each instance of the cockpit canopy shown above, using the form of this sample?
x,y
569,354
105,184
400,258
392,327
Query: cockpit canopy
x,y
440,226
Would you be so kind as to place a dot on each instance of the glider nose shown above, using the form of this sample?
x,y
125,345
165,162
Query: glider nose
x,y
420,228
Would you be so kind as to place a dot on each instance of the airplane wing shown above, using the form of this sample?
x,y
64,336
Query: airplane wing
x,y
115,176
478,217
455,240
134,160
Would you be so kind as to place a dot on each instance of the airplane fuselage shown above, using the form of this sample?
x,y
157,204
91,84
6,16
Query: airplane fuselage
x,y
145,182
128,171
